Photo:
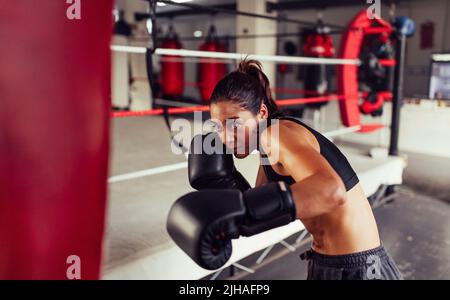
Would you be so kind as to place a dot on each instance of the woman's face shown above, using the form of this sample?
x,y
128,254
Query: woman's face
x,y
236,126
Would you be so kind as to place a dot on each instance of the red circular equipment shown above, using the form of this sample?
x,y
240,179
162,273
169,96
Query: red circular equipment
x,y
347,75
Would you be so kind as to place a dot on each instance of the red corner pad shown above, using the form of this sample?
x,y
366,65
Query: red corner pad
x,y
366,128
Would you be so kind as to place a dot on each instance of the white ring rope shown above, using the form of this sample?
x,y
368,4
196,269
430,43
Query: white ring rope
x,y
238,56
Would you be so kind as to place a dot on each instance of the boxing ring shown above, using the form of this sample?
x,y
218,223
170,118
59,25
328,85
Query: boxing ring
x,y
62,206
149,253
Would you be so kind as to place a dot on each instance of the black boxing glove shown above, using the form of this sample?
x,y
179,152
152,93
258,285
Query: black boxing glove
x,y
210,167
268,206
203,229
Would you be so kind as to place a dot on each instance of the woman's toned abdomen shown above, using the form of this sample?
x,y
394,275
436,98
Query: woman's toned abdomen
x,y
349,229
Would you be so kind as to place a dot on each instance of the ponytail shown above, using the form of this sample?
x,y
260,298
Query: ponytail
x,y
249,87
253,68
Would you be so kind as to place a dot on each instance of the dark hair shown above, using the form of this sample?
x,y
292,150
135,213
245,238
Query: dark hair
x,y
248,86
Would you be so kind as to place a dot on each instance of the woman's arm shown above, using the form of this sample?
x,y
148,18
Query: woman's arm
x,y
318,189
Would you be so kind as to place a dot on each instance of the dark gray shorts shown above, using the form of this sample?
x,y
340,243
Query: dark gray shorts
x,y
367,265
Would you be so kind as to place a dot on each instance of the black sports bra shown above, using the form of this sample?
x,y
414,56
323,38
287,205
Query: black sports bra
x,y
328,150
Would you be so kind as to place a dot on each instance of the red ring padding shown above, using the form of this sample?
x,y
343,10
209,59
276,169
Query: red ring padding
x,y
54,137
347,75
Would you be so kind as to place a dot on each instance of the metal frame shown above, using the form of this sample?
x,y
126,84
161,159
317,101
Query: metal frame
x,y
384,194
299,242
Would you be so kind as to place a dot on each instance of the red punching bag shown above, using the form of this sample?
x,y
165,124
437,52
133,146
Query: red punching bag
x,y
210,72
319,44
172,67
54,137
318,77
328,46
314,45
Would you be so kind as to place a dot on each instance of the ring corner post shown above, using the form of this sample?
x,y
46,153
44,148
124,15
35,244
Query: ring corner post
x,y
397,99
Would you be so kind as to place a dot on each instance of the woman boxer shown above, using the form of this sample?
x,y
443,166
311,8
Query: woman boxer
x,y
322,189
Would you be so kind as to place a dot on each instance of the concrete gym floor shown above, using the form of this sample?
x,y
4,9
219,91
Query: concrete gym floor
x,y
415,228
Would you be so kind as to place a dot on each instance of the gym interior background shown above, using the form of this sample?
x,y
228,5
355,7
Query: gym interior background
x,y
119,231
